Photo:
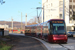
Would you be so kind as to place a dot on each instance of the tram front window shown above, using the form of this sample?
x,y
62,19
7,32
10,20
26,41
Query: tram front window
x,y
59,28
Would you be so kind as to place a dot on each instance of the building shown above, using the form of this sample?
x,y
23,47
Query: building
x,y
72,13
4,26
53,9
72,10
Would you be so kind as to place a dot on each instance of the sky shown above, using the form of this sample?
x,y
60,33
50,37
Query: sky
x,y
13,8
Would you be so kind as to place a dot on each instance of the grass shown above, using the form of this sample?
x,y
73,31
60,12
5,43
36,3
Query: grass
x,y
4,46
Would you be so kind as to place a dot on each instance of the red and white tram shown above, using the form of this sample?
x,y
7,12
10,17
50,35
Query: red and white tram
x,y
53,30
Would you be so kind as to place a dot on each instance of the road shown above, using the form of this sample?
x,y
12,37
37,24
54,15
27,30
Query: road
x,y
46,45
26,43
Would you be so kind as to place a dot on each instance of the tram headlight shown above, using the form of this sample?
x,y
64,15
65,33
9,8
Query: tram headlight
x,y
54,38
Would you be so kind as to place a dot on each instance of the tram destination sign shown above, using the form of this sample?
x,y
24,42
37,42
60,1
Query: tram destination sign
x,y
57,21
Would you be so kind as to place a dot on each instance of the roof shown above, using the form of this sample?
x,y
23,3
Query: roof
x,y
55,19
44,22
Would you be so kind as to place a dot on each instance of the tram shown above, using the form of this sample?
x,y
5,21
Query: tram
x,y
53,30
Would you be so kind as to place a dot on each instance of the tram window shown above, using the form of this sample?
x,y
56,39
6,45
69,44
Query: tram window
x,y
48,25
51,28
45,24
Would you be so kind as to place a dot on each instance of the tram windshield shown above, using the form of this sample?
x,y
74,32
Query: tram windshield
x,y
58,28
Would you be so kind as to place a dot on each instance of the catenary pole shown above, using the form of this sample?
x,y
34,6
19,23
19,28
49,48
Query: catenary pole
x,y
26,20
12,23
21,20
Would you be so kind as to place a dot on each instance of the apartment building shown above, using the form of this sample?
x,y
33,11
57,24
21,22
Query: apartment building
x,y
71,9
53,9
72,13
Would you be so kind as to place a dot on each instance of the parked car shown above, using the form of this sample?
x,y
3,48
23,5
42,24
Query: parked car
x,y
70,34
73,34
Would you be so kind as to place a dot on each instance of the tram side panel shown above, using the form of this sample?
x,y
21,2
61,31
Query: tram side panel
x,y
33,31
45,32
27,31
38,31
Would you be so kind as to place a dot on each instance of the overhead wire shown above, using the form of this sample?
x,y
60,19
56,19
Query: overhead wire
x,y
28,13
44,9
31,12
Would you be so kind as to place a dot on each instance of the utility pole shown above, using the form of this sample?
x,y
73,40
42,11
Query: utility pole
x,y
12,23
26,20
21,20
5,26
64,10
72,11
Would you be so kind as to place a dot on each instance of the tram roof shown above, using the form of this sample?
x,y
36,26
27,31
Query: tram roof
x,y
54,19
31,25
44,22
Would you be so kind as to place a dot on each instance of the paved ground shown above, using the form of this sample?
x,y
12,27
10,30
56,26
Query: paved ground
x,y
32,44
27,43
69,46
72,38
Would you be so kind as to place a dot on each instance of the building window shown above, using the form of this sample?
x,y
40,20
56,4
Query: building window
x,y
61,9
60,15
70,0
73,0
73,6
70,6
61,3
70,12
51,4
